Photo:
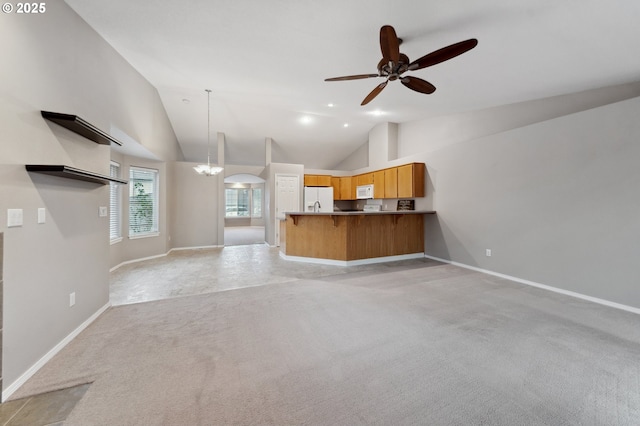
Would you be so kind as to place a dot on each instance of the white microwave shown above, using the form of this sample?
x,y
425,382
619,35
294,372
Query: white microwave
x,y
364,192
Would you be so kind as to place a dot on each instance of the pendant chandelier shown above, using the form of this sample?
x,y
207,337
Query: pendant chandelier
x,y
207,169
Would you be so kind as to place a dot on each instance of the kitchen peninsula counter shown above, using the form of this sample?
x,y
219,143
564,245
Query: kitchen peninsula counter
x,y
352,237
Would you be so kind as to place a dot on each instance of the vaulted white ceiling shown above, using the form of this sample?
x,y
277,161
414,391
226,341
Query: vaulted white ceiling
x,y
266,60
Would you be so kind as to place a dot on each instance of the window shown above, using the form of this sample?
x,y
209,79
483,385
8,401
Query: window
x,y
143,202
237,202
115,212
243,202
256,202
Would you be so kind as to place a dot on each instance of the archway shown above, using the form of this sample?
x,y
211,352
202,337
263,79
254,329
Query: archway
x,y
244,221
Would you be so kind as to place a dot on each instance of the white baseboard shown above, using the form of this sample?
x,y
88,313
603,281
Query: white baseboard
x,y
57,348
334,262
542,286
161,255
138,260
192,248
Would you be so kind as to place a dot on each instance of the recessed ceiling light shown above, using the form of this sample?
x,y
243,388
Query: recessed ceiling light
x,y
345,125
330,105
377,113
305,119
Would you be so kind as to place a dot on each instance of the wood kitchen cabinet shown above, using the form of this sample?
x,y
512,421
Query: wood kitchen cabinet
x,y
342,188
335,183
391,183
310,180
406,181
364,179
411,180
378,184
317,180
353,184
346,190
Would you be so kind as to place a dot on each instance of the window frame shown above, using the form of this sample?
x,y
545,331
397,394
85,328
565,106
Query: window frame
x,y
154,230
251,190
115,204
237,197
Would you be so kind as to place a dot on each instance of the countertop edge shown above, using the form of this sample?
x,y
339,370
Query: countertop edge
x,y
358,213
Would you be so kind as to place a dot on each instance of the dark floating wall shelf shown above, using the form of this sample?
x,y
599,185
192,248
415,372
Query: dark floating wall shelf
x,y
73,173
81,127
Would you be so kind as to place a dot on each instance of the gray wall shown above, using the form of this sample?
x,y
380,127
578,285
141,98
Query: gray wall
x,y
358,159
550,186
55,61
140,248
194,215
383,145
557,202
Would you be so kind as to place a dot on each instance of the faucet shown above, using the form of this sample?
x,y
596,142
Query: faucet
x,y
315,210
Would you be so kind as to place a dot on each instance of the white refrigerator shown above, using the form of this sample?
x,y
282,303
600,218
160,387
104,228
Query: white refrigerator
x,y
317,198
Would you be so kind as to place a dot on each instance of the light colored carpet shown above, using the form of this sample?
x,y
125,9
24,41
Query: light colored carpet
x,y
433,345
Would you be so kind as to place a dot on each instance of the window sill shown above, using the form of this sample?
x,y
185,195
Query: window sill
x,y
116,240
147,235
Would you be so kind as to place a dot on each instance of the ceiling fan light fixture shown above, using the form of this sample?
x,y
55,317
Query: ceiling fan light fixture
x,y
208,169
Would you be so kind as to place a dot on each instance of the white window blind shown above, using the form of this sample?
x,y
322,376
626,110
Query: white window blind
x,y
143,202
115,211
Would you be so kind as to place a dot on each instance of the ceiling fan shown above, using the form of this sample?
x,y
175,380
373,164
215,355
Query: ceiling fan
x,y
394,64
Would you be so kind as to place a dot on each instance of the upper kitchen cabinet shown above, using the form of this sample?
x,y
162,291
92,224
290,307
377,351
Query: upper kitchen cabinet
x,y
411,180
391,183
364,179
342,188
378,185
335,183
317,180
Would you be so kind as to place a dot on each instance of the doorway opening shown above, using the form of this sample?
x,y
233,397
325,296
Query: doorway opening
x,y
244,210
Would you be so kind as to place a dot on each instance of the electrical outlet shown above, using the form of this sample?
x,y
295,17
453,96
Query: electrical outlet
x,y
72,299
488,252
103,211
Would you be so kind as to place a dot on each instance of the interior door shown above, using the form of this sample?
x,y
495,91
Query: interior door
x,y
287,198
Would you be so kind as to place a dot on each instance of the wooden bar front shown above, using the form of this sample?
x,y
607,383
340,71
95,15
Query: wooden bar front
x,y
353,236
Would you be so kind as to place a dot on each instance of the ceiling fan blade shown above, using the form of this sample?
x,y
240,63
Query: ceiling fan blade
x,y
389,44
418,84
443,54
351,77
375,92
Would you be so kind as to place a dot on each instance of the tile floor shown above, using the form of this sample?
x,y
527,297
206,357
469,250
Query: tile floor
x,y
184,273
47,409
201,271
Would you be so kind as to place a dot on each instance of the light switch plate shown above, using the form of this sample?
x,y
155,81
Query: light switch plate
x,y
14,217
42,215
103,211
